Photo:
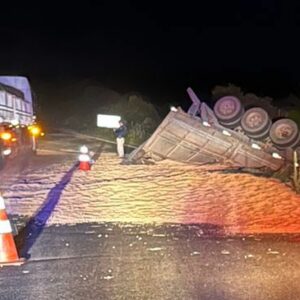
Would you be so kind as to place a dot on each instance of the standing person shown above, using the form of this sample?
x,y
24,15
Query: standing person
x,y
120,134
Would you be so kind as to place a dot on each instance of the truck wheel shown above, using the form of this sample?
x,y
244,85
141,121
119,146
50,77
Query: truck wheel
x,y
229,111
284,133
256,123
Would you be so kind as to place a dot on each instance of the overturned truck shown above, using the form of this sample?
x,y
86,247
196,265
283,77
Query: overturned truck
x,y
226,134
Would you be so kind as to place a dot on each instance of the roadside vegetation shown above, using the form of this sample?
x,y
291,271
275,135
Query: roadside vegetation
x,y
80,103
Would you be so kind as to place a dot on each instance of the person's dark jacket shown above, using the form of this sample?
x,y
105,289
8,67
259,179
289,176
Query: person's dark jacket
x,y
121,131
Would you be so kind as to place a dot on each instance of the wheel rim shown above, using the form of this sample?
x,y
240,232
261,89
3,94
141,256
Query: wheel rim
x,y
284,132
227,108
255,121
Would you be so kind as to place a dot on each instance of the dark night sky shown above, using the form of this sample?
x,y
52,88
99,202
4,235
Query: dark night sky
x,y
155,48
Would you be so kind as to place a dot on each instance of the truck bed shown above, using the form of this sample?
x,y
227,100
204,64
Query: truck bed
x,y
182,137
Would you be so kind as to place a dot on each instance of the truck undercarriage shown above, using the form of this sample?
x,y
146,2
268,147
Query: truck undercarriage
x,y
227,135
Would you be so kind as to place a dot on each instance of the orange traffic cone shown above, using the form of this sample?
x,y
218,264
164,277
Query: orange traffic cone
x,y
8,251
84,165
84,162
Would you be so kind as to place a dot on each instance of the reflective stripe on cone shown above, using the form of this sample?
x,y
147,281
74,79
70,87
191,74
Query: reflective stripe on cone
x,y
8,251
5,227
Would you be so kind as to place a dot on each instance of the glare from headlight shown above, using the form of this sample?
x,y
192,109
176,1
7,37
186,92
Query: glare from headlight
x,y
6,152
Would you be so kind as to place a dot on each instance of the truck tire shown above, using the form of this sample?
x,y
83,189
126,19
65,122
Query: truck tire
x,y
284,133
256,123
229,111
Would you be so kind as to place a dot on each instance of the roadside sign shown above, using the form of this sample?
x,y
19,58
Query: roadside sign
x,y
108,121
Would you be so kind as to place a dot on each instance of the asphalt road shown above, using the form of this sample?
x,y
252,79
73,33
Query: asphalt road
x,y
54,149
125,261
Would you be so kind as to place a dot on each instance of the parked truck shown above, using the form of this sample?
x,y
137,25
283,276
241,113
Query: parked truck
x,y
18,129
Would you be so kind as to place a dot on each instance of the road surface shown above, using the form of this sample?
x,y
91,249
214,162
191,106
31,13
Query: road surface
x,y
167,231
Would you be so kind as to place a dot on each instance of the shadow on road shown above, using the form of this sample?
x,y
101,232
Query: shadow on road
x,y
30,233
97,155
35,226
